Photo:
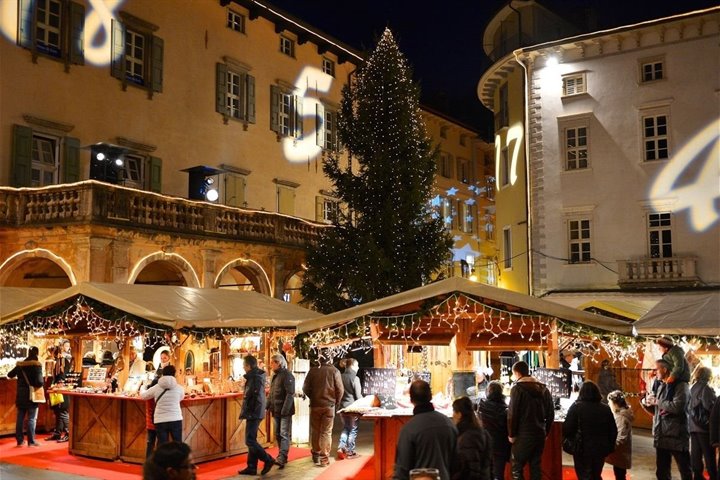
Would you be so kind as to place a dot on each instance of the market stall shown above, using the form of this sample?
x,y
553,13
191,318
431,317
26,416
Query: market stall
x,y
456,334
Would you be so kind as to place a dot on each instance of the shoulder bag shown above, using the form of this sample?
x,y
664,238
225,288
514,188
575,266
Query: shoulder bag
x,y
37,394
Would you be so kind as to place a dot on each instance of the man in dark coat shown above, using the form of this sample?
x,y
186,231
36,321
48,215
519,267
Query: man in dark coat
x,y
493,413
428,440
28,373
530,417
253,412
282,405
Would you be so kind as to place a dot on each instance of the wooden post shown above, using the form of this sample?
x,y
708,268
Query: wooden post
x,y
463,357
553,352
378,350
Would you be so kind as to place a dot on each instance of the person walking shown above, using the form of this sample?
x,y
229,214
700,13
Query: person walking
x,y
493,414
473,454
282,405
702,399
590,422
671,436
428,440
253,412
621,458
352,391
29,374
530,417
168,414
323,386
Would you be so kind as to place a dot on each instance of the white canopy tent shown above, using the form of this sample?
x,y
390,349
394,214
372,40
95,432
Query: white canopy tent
x,y
683,314
13,299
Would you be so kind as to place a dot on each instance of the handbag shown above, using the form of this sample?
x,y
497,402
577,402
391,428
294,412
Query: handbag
x,y
573,445
56,398
37,394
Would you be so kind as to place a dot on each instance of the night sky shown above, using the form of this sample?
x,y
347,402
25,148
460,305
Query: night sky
x,y
443,40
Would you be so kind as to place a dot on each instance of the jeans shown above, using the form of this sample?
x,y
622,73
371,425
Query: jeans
x,y
166,429
349,431
700,449
283,434
62,420
255,450
663,462
321,424
620,473
527,451
151,440
32,413
588,467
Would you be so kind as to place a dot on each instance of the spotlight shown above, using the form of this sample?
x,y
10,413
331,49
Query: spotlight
x,y
100,156
201,183
552,61
212,195
107,163
119,162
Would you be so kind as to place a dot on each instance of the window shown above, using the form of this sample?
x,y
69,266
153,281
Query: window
x,y
326,209
652,70
287,46
326,131
507,248
463,140
286,113
447,212
135,57
466,217
44,161
579,240
328,66
463,170
489,231
576,148
655,137
445,165
443,132
235,92
660,235
54,28
134,171
502,117
137,54
574,84
41,159
504,167
236,21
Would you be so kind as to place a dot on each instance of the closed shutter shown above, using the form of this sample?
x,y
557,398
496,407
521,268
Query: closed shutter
x,y
76,49
275,108
319,203
320,121
250,99
157,64
22,156
298,115
241,94
286,200
234,190
220,88
154,174
26,23
71,160
117,51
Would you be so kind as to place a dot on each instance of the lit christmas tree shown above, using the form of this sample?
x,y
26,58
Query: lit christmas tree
x,y
386,238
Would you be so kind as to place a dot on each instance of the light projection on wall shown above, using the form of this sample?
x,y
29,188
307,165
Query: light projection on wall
x,y
513,141
692,177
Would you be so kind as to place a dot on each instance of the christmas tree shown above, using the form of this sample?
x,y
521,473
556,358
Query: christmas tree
x,y
386,238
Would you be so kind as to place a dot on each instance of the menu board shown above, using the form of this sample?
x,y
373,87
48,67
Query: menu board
x,y
96,374
379,381
557,380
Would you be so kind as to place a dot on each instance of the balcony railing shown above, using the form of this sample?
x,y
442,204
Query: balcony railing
x,y
111,205
656,271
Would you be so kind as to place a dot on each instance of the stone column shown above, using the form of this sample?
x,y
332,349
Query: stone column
x,y
120,261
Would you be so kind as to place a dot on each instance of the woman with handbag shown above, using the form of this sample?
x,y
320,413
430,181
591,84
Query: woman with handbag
x,y
590,428
59,403
29,384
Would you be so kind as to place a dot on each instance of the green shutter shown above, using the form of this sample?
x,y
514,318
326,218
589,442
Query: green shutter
x,y
241,93
26,23
157,64
155,174
320,122
319,201
334,133
250,99
117,51
234,190
76,49
298,102
220,88
275,108
71,160
22,156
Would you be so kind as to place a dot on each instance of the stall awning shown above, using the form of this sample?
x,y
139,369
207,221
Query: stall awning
x,y
524,303
628,305
179,307
13,299
683,314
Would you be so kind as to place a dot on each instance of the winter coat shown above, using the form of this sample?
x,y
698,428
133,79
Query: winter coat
x,y
253,406
700,394
473,456
351,388
167,408
323,386
493,414
281,402
595,421
33,371
715,424
679,366
670,422
606,383
531,411
428,440
622,456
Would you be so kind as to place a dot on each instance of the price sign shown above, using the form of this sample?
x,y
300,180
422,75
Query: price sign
x,y
96,374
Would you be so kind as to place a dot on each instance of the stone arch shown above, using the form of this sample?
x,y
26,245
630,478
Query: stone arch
x,y
243,274
162,268
36,268
291,286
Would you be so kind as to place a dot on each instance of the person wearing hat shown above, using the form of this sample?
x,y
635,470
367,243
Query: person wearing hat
x,y
679,366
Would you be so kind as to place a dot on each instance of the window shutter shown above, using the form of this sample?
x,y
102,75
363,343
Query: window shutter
x,y
117,51
286,200
319,203
154,174
22,156
275,108
26,23
242,85
220,88
234,190
77,34
71,160
157,64
297,101
320,129
250,99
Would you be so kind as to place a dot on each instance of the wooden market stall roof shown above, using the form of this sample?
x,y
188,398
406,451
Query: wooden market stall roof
x,y
171,306
13,299
506,299
683,314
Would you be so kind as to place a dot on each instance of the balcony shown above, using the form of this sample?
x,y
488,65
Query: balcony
x,y
92,202
656,272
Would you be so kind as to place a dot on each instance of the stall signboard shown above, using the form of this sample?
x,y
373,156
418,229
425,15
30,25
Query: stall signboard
x,y
557,380
96,375
379,381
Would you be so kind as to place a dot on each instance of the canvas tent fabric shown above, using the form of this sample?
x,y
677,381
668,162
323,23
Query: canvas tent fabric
x,y
13,299
180,307
629,305
526,304
683,314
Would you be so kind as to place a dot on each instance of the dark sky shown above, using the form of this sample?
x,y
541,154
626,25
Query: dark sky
x,y
443,39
